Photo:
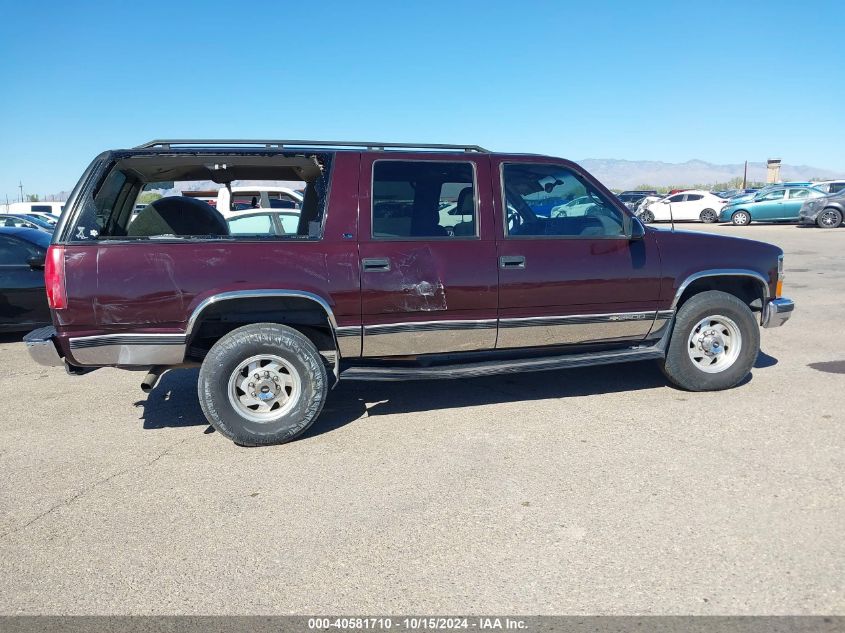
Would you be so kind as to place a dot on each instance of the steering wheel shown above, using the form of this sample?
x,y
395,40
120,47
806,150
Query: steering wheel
x,y
514,219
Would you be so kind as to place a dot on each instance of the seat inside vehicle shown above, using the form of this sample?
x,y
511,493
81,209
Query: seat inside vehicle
x,y
178,215
466,209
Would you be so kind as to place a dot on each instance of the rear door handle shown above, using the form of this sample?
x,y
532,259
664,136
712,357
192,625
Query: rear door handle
x,y
375,264
512,261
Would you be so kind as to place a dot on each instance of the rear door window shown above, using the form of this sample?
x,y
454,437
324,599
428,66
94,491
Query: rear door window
x,y
423,199
258,224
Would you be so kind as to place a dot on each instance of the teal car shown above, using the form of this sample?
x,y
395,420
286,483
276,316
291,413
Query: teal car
x,y
772,204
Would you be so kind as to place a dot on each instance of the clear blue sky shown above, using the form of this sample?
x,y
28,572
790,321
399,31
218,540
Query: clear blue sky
x,y
664,81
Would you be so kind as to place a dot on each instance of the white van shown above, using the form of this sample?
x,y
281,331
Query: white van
x,y
247,197
51,208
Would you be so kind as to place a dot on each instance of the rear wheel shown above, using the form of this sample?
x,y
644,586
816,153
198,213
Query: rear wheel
x,y
714,343
647,217
829,219
709,216
262,384
741,218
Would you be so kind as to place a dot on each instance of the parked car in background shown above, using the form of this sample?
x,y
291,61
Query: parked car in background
x,y
688,206
830,186
52,208
13,219
632,198
47,222
263,222
826,212
247,197
23,301
771,204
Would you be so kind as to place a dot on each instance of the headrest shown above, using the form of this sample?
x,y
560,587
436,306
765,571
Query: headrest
x,y
178,215
465,202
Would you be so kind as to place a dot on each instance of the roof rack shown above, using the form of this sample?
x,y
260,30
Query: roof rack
x,y
371,146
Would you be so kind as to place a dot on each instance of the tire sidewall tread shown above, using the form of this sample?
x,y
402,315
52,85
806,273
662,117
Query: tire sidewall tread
x,y
250,340
680,369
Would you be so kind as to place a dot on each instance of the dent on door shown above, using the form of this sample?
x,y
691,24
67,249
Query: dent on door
x,y
421,299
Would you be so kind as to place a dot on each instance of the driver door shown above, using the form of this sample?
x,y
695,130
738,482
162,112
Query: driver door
x,y
569,280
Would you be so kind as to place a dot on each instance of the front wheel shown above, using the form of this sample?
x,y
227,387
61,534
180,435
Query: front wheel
x,y
741,218
829,219
709,216
262,384
646,217
714,343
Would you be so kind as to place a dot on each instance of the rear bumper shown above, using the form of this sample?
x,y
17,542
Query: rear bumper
x,y
42,348
777,312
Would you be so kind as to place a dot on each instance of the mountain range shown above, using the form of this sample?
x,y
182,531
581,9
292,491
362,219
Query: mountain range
x,y
626,174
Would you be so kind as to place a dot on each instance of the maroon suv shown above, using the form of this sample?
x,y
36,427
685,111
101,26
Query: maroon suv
x,y
399,263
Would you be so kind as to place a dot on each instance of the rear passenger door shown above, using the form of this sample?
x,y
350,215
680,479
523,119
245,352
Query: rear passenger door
x,y
428,254
569,280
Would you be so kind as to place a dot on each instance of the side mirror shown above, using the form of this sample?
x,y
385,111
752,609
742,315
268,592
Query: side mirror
x,y
637,230
36,262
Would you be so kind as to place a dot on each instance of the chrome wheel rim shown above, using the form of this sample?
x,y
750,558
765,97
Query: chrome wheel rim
x,y
708,216
829,218
647,217
714,344
264,387
741,218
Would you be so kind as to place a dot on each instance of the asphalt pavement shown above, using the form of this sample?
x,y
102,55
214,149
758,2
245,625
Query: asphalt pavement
x,y
599,490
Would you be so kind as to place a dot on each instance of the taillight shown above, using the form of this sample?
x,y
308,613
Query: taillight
x,y
54,277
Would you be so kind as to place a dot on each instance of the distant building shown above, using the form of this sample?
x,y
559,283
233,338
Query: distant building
x,y
773,170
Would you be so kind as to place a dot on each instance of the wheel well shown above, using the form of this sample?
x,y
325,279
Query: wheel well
x,y
303,314
749,290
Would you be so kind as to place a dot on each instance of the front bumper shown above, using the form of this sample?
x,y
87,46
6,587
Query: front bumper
x,y
42,348
777,312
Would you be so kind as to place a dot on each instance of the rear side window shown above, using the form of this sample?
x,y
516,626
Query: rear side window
x,y
130,201
799,193
42,208
836,187
423,199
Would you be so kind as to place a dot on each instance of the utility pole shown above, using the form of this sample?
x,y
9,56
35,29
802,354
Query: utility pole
x,y
20,186
745,176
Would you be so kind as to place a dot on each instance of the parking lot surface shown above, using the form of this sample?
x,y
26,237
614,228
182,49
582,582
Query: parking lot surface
x,y
600,490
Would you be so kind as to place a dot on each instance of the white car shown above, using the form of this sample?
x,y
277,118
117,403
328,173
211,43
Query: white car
x,y
573,208
685,206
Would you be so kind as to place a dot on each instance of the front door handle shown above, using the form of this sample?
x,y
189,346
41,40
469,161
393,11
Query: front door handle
x,y
375,264
512,261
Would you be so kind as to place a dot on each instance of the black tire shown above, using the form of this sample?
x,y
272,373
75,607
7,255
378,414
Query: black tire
x,y
260,340
829,218
709,216
646,217
682,370
741,218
